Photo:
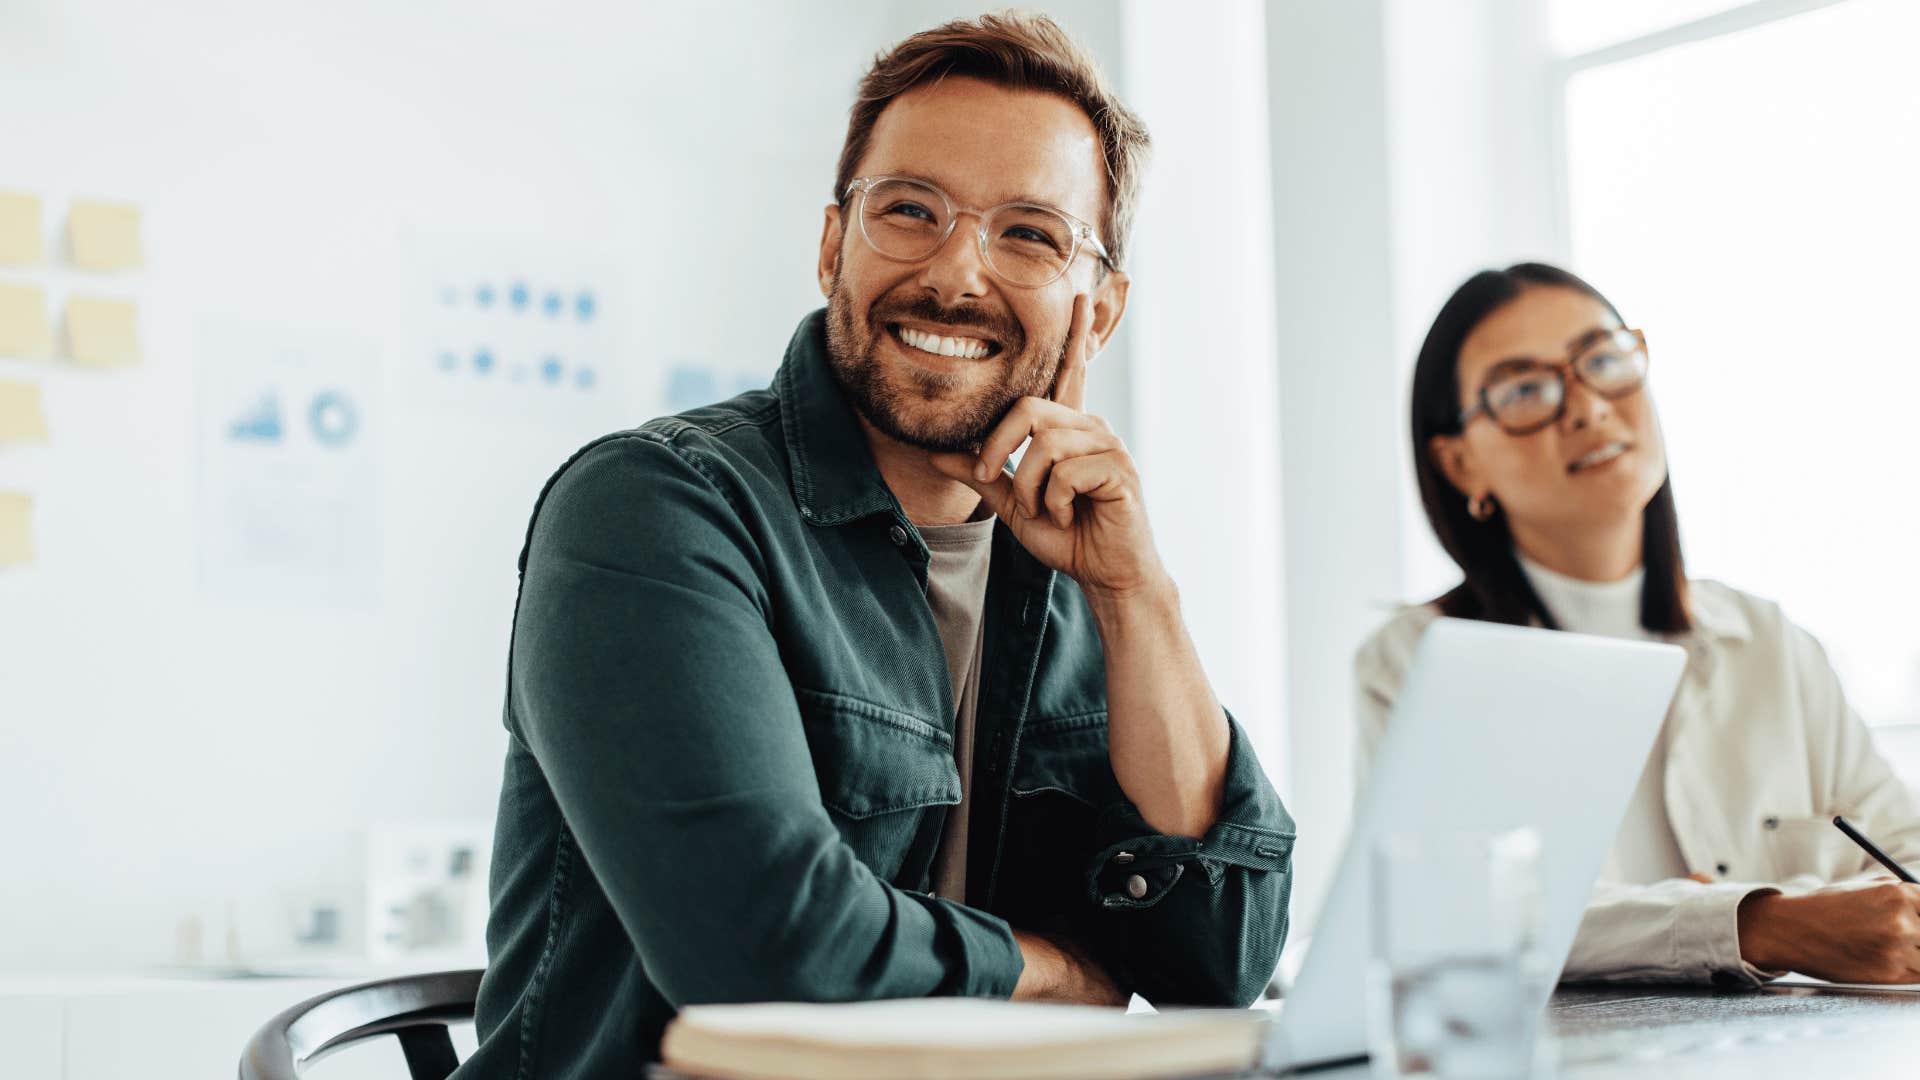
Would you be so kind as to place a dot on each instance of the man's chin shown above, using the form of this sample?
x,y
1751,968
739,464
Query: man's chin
x,y
938,435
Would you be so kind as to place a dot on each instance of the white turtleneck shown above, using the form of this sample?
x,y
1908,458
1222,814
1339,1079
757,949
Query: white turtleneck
x,y
1644,851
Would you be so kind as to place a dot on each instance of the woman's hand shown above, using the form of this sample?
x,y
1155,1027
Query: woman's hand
x,y
1857,934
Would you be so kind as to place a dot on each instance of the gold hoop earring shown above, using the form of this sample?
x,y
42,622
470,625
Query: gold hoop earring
x,y
1481,507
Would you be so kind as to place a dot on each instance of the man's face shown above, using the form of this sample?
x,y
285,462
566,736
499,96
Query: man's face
x,y
983,145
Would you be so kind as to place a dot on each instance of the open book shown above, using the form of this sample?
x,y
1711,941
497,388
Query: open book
x,y
940,1038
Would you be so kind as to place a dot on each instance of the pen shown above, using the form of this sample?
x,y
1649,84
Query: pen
x,y
1873,849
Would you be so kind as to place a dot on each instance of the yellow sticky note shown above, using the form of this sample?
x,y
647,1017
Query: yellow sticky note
x,y
104,236
102,331
16,528
20,230
24,333
22,420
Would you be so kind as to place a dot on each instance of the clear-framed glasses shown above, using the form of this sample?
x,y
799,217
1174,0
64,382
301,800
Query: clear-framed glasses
x,y
1525,395
1025,244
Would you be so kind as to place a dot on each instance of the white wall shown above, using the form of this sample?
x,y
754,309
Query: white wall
x,y
164,754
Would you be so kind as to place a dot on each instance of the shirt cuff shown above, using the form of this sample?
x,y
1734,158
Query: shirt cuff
x,y
1707,934
1136,865
989,960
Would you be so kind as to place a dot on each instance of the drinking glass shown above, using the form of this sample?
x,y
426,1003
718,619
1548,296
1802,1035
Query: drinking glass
x,y
1458,980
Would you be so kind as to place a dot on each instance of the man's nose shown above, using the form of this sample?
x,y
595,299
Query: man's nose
x,y
955,271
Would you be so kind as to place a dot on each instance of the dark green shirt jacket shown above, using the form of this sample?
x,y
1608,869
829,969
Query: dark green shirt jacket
x,y
731,757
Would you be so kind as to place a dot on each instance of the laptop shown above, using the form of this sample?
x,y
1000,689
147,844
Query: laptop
x,y
1498,727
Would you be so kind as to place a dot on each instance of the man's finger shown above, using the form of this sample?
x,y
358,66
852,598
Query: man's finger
x,y
1047,449
996,493
1028,416
1070,382
1097,476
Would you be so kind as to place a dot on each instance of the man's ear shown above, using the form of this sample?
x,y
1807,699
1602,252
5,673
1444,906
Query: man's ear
x,y
1109,303
829,249
1454,459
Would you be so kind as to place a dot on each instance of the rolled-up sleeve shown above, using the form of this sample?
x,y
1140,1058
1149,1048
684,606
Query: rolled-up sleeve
x,y
1198,921
647,684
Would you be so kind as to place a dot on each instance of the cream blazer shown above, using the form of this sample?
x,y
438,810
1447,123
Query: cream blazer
x,y
1763,751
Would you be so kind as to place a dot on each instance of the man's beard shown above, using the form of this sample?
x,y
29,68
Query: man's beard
x,y
881,396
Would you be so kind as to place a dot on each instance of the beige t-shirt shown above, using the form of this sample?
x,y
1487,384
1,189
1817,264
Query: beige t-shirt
x,y
957,593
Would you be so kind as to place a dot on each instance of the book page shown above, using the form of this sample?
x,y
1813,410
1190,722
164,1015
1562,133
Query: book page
x,y
1794,978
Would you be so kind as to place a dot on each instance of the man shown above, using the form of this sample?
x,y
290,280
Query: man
x,y
811,698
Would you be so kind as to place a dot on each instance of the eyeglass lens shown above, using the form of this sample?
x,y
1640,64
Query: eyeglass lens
x,y
1027,245
1525,397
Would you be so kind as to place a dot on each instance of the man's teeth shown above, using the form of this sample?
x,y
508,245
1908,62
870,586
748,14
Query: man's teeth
x,y
969,348
1601,456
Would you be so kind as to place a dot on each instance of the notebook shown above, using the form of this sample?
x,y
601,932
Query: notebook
x,y
942,1038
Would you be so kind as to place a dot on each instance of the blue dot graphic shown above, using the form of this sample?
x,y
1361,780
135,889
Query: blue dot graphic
x,y
483,296
483,361
550,370
583,378
448,361
518,295
553,303
690,387
583,306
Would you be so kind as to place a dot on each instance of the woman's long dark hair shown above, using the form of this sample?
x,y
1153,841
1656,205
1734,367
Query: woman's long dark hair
x,y
1496,589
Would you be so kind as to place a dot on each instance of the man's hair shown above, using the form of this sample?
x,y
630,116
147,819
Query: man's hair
x,y
1021,51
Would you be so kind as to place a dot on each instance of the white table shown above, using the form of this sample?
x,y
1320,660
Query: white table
x,y
160,1027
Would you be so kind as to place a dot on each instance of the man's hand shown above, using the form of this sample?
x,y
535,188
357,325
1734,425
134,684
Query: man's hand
x,y
1059,970
1857,934
1074,504
1074,501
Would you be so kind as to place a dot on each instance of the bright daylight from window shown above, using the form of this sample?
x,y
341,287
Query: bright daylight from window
x,y
1750,202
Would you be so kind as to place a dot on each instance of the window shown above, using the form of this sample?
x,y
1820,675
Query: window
x,y
1749,199
1575,26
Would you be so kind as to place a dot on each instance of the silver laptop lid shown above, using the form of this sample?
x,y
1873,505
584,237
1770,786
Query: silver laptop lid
x,y
1498,727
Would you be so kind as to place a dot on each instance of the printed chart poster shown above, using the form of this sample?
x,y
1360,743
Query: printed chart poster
x,y
288,496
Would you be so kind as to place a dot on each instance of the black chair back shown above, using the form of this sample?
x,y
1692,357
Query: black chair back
x,y
416,1009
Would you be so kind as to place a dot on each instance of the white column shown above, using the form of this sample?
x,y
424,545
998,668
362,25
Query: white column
x,y
1339,399
1200,341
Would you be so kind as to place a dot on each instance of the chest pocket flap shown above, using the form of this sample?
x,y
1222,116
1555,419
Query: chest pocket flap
x,y
872,760
1067,755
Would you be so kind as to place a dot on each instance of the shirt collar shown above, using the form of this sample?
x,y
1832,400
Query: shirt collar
x,y
833,474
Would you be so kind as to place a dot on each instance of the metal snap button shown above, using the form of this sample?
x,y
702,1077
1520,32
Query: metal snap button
x,y
1136,886
1123,858
899,536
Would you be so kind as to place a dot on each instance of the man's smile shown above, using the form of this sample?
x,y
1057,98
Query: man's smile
x,y
928,341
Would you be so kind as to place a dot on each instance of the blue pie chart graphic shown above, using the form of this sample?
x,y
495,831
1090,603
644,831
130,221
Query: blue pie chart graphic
x,y
333,418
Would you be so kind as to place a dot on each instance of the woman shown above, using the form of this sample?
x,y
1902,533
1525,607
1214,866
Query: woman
x,y
1544,474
